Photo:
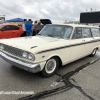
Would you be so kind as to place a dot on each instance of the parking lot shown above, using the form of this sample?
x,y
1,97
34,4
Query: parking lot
x,y
53,88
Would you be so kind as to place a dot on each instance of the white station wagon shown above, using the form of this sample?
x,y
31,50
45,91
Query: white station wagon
x,y
54,46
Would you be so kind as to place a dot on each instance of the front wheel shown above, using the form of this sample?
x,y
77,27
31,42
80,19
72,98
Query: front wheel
x,y
50,67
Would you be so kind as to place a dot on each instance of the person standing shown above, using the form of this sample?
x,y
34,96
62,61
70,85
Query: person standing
x,y
23,26
35,23
38,27
29,28
35,27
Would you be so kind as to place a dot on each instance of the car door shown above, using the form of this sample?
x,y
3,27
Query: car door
x,y
77,45
88,39
17,31
8,32
5,32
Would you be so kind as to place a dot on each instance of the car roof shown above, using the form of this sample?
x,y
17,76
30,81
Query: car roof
x,y
75,25
8,24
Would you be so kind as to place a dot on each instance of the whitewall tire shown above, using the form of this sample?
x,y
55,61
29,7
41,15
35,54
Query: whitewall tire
x,y
50,67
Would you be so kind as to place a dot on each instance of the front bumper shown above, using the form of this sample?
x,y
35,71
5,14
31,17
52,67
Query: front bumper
x,y
20,64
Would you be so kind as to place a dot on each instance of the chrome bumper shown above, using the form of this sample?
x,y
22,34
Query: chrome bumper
x,y
26,66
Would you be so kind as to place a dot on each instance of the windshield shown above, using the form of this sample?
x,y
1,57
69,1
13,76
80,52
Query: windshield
x,y
1,26
57,31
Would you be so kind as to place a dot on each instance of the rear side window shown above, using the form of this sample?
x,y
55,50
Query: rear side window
x,y
16,28
87,33
77,33
10,27
95,32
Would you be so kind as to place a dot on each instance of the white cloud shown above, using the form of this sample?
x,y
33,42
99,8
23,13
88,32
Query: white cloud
x,y
45,11
56,10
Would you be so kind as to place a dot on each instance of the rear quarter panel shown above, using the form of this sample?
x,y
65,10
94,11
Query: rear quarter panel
x,y
20,31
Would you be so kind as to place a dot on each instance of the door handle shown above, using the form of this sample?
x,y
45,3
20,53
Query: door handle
x,y
83,40
14,32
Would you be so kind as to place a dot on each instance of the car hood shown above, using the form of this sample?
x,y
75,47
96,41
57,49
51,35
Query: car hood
x,y
33,40
35,44
29,42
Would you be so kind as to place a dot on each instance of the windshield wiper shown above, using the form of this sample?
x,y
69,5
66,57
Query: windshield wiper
x,y
50,35
38,34
46,35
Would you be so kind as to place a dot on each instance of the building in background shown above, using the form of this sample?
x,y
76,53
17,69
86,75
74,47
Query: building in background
x,y
2,18
71,22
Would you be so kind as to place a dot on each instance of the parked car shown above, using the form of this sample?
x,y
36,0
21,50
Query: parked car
x,y
54,46
45,21
10,31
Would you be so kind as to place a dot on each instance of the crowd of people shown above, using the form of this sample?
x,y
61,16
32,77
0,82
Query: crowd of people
x,y
31,29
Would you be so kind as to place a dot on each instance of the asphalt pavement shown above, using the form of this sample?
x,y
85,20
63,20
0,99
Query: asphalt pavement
x,y
78,80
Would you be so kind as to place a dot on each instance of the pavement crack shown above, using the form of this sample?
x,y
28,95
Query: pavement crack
x,y
45,93
68,85
72,80
81,90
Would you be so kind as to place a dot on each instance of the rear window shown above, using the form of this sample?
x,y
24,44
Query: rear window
x,y
86,33
16,28
95,32
1,26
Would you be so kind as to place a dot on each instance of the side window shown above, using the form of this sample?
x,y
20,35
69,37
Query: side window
x,y
77,33
8,27
95,32
12,27
16,28
86,33
5,28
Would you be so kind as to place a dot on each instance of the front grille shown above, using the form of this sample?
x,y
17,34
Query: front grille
x,y
12,50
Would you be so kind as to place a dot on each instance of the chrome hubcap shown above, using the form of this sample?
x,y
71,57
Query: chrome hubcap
x,y
50,65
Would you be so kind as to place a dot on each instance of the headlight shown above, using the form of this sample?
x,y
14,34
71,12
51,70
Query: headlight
x,y
28,56
1,47
31,57
24,55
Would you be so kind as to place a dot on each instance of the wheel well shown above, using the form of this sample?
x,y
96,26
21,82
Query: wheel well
x,y
97,48
60,62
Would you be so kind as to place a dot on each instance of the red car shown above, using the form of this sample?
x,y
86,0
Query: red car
x,y
10,31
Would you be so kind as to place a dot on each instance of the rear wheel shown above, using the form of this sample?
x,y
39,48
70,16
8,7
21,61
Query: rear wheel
x,y
93,52
50,67
21,35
